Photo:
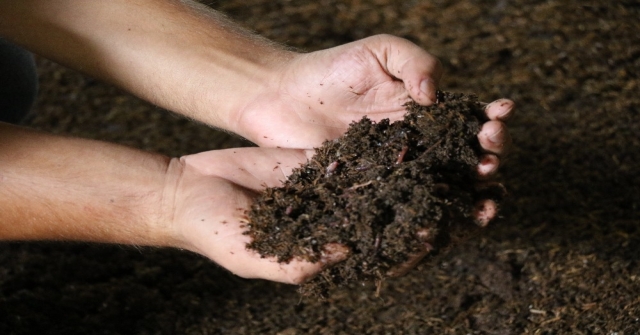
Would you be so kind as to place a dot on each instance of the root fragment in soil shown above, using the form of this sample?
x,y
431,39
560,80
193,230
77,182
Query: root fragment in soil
x,y
390,192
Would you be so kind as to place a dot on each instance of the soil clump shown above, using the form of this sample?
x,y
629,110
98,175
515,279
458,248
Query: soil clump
x,y
390,192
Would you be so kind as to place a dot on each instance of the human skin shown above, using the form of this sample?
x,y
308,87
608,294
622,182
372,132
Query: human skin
x,y
116,194
189,59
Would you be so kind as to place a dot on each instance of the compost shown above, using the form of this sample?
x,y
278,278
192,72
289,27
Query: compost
x,y
390,192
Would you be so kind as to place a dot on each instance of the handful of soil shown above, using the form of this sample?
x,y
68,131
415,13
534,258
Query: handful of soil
x,y
390,192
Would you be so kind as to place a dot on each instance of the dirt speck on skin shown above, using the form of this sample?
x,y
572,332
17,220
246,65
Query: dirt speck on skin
x,y
390,192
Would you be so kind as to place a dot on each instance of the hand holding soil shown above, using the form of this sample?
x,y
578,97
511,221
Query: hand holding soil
x,y
563,261
255,88
315,96
212,196
390,193
218,187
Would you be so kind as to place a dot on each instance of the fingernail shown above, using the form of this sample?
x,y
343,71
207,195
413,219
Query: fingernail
x,y
504,115
506,102
497,137
488,165
428,89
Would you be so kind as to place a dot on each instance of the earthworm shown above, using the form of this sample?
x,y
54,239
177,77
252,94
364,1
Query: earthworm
x,y
433,146
360,185
412,260
376,245
401,154
426,237
331,168
364,166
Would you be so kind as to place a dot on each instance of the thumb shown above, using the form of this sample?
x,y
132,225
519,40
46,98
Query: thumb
x,y
297,271
331,254
419,70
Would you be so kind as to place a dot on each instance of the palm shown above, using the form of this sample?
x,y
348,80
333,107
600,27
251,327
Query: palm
x,y
321,93
209,219
216,189
315,98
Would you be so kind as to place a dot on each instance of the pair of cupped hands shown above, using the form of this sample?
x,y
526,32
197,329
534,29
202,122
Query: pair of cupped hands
x,y
314,98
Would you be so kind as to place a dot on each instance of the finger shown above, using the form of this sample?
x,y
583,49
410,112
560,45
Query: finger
x,y
252,168
488,165
494,137
485,211
295,272
419,71
501,109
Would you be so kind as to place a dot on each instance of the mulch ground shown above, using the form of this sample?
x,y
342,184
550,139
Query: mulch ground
x,y
562,259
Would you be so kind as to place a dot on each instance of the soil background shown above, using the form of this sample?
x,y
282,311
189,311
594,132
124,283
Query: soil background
x,y
563,258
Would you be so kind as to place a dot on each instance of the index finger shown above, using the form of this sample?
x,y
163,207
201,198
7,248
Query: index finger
x,y
252,168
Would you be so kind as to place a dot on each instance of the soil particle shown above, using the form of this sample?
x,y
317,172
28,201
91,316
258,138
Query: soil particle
x,y
390,192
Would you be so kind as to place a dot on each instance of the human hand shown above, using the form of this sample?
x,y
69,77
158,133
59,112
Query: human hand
x,y
317,96
214,190
495,142
211,197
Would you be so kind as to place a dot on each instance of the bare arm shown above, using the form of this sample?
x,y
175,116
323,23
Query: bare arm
x,y
186,57
61,188
57,188
179,55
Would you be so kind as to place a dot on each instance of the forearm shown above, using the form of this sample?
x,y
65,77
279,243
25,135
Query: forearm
x,y
179,55
56,188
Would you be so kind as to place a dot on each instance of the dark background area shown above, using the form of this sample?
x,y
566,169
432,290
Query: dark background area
x,y
562,259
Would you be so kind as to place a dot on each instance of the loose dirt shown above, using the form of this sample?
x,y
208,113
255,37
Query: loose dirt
x,y
390,193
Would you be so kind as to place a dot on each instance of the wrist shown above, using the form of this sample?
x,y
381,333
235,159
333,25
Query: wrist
x,y
261,98
243,82
62,188
162,220
179,55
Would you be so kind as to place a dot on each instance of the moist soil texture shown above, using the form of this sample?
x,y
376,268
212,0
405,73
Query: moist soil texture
x,y
390,193
562,258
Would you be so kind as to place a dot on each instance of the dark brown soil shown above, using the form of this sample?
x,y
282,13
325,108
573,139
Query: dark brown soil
x,y
563,259
388,192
